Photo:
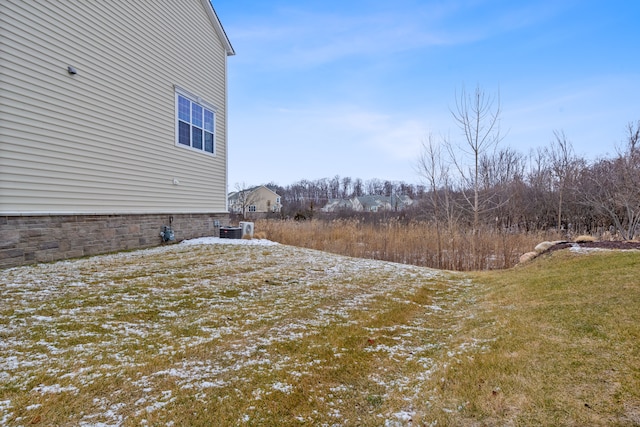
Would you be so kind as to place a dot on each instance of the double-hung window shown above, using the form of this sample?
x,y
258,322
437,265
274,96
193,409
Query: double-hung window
x,y
195,124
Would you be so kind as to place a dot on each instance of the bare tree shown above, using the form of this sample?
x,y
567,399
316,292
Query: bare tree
x,y
501,173
346,187
539,184
612,186
334,187
564,166
245,198
434,171
633,138
374,187
358,188
388,188
477,115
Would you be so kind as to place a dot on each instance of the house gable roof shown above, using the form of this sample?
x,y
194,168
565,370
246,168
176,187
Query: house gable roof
x,y
236,194
217,25
268,189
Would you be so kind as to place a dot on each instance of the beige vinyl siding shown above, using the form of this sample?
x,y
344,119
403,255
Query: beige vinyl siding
x,y
103,140
264,199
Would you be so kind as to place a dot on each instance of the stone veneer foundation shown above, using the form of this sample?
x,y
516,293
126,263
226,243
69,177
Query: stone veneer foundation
x,y
42,238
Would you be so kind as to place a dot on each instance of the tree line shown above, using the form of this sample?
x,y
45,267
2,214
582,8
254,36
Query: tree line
x,y
475,182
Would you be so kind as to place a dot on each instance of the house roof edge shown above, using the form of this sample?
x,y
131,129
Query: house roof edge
x,y
217,25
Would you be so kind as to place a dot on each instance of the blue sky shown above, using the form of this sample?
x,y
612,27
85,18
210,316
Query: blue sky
x,y
352,87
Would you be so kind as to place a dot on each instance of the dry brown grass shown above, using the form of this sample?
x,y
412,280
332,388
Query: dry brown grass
x,y
584,238
413,243
233,335
222,335
260,235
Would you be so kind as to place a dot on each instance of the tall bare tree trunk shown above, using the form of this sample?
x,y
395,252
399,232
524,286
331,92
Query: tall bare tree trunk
x,y
477,115
563,161
432,168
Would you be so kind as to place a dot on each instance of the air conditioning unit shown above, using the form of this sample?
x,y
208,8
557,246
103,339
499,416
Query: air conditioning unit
x,y
230,232
247,228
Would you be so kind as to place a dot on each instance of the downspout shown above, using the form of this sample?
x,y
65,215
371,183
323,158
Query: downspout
x,y
226,133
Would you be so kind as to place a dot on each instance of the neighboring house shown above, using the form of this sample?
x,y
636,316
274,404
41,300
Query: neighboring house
x,y
369,204
254,202
113,125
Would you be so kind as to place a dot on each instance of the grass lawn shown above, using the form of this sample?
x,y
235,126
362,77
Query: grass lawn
x,y
567,347
225,334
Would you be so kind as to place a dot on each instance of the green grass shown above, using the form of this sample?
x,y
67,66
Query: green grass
x,y
235,335
567,347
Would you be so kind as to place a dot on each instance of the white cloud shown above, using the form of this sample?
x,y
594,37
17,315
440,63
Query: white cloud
x,y
300,37
352,88
389,135
323,141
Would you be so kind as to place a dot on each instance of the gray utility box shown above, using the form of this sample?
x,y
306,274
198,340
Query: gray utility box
x,y
231,232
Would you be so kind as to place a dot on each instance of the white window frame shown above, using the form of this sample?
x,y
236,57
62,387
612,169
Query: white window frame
x,y
202,126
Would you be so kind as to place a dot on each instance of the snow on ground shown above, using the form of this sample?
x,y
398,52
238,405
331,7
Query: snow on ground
x,y
584,250
70,325
219,241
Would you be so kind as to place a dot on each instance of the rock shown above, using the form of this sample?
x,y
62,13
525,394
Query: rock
x,y
543,246
528,257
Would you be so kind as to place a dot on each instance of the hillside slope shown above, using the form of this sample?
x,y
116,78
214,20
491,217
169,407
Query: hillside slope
x,y
567,348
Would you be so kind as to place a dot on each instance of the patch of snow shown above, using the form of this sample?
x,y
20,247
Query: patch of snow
x,y
77,284
339,388
402,418
335,413
291,294
5,405
283,387
160,403
168,314
219,241
94,424
580,250
56,388
111,413
209,384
